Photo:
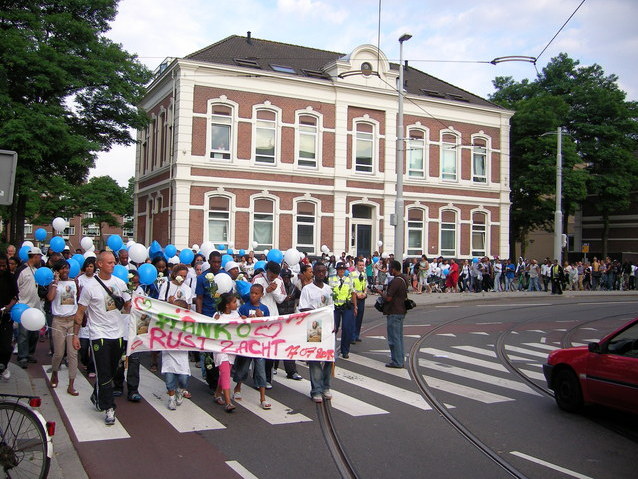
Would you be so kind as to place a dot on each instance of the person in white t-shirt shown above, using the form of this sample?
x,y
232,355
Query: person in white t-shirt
x,y
62,295
85,356
99,300
317,295
176,369
176,289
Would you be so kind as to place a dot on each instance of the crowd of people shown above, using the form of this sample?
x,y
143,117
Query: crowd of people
x,y
88,318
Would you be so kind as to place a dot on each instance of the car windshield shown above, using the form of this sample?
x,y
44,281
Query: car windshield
x,y
625,343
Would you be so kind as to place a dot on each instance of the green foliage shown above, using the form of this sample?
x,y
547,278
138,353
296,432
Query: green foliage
x,y
105,199
66,93
602,136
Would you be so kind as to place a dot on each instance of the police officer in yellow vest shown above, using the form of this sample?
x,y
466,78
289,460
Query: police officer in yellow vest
x,y
556,272
360,285
345,302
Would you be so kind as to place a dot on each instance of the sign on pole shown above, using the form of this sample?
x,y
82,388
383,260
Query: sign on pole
x,y
8,164
585,248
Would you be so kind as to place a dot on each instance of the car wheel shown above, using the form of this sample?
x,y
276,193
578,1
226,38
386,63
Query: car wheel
x,y
567,391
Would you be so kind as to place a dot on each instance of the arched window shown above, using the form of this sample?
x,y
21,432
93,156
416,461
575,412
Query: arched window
x,y
416,232
219,219
449,156
266,137
448,233
307,141
479,234
305,226
221,124
416,153
364,147
479,160
263,222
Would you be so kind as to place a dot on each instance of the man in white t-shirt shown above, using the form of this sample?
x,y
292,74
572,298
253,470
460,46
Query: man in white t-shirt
x,y
105,327
317,295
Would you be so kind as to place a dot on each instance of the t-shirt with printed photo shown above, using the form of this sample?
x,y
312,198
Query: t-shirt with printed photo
x,y
104,319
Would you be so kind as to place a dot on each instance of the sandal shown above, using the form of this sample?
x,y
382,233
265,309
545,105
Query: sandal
x,y
153,368
237,396
186,394
219,400
54,380
72,391
229,407
265,405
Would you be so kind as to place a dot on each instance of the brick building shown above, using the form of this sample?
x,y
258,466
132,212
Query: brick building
x,y
259,142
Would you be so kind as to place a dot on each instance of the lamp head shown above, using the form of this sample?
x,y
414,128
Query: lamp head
x,y
405,37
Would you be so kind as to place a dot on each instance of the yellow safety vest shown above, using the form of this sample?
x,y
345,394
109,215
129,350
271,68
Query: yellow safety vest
x,y
341,289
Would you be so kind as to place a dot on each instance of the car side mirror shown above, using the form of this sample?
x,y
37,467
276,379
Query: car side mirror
x,y
593,347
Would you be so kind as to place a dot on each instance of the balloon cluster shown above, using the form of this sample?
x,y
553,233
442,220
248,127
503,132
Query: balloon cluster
x,y
32,319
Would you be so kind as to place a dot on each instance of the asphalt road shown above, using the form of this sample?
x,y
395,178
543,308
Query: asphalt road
x,y
382,420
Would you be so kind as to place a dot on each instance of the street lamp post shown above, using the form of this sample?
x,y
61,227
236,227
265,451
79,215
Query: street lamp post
x,y
399,226
558,214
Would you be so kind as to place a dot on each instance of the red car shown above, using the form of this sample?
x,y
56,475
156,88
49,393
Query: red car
x,y
601,373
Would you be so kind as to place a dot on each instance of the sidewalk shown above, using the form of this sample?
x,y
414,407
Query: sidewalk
x,y
65,462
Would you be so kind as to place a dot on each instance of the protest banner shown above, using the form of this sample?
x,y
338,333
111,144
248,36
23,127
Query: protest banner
x,y
156,325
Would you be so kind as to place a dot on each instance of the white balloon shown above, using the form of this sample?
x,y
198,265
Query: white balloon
x,y
174,260
32,319
195,247
28,243
231,245
89,254
207,248
138,253
291,257
130,243
385,255
224,283
86,243
255,244
266,252
379,243
59,224
325,249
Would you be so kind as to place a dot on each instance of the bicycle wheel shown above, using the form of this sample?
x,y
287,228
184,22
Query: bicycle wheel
x,y
23,443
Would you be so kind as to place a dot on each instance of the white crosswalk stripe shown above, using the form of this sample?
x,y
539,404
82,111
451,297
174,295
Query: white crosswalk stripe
x,y
487,352
87,423
546,347
465,391
464,359
525,351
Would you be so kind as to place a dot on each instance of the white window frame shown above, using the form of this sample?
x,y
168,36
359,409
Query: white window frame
x,y
422,229
410,148
232,125
275,126
307,248
230,220
275,220
454,228
446,146
486,153
299,132
476,228
374,140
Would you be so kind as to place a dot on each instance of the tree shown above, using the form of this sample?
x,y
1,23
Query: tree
x,y
105,200
602,138
66,93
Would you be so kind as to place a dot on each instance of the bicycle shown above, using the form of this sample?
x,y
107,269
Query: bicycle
x,y
26,444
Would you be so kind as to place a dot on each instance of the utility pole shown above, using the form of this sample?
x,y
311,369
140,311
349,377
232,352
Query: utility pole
x,y
558,214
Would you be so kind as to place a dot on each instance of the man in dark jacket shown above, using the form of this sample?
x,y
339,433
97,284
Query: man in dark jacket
x,y
394,310
556,275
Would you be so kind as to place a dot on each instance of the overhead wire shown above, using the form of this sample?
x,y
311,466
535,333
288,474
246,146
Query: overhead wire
x,y
560,29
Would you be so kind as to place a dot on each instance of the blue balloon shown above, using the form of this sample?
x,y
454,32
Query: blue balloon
x,y
170,251
375,259
57,244
115,242
148,273
23,254
225,259
121,272
260,265
74,266
79,258
40,234
243,289
17,310
346,273
275,255
43,276
230,251
242,252
186,256
154,250
221,247
475,260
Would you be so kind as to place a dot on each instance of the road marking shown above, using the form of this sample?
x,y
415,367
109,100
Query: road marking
x,y
547,347
513,304
411,336
379,366
241,470
188,417
589,329
342,402
561,330
465,359
446,306
483,333
609,302
533,374
86,421
488,352
375,337
481,377
497,322
550,465
534,331
465,391
417,325
528,352
451,335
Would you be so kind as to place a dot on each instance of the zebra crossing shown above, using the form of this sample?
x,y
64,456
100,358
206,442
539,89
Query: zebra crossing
x,y
465,372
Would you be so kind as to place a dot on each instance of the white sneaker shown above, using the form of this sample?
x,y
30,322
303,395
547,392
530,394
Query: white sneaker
x,y
317,398
172,403
109,418
327,394
6,374
179,397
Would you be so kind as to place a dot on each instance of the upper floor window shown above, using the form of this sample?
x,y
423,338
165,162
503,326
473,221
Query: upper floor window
x,y
449,157
478,234
221,132
364,148
307,141
479,161
416,153
266,137
218,219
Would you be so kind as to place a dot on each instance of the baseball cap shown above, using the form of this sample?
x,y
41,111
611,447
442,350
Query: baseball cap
x,y
34,250
341,265
231,265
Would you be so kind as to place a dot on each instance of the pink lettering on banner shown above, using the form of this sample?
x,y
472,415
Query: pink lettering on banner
x,y
142,303
269,331
298,317
312,353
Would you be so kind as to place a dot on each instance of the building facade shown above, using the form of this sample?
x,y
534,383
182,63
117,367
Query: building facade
x,y
266,145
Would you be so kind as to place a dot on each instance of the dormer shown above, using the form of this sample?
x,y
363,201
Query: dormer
x,y
366,66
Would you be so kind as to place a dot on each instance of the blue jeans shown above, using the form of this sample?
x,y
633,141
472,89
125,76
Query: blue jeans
x,y
174,381
320,374
242,365
358,320
534,284
346,318
395,338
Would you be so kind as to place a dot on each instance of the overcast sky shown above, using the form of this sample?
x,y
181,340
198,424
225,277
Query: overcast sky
x,y
602,31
